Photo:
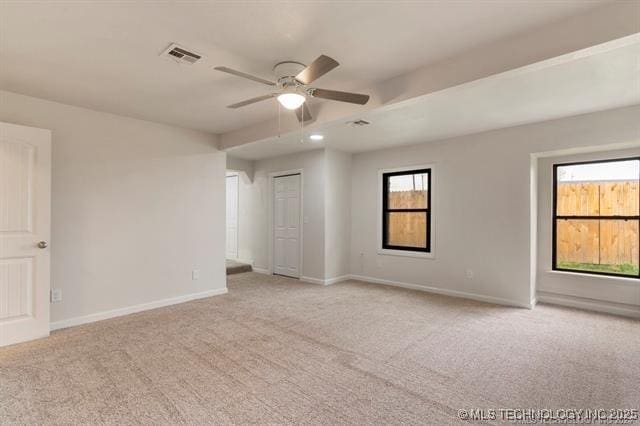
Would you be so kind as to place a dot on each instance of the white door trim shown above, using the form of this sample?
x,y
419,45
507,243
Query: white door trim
x,y
237,176
272,176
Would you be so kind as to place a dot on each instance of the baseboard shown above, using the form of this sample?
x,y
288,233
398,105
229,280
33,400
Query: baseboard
x,y
99,316
261,270
326,281
312,280
442,291
589,304
336,280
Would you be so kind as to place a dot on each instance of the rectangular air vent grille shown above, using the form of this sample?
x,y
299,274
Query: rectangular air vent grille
x,y
180,54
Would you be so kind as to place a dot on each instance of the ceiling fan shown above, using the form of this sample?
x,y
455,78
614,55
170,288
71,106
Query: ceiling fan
x,y
292,82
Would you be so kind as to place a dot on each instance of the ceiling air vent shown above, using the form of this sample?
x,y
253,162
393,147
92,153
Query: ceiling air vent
x,y
181,55
360,123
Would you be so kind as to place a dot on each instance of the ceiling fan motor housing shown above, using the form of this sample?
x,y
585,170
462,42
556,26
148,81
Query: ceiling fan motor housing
x,y
286,71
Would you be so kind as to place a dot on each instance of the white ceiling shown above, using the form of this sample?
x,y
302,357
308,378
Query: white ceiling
x,y
104,55
599,78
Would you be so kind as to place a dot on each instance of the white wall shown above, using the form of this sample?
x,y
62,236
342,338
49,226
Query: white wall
x,y
248,218
254,197
135,207
613,290
337,172
482,210
240,165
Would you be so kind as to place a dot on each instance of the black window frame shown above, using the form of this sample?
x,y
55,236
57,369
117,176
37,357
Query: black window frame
x,y
555,217
386,210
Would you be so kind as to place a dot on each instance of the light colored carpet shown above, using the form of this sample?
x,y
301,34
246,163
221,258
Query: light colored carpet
x,y
276,351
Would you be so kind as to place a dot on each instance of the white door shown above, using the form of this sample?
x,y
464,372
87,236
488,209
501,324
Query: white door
x,y
232,216
286,225
25,222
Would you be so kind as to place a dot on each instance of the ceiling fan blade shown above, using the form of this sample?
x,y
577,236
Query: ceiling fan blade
x,y
303,113
252,101
335,95
322,65
245,75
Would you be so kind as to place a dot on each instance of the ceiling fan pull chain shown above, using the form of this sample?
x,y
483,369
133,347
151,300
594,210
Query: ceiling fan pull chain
x,y
279,120
302,125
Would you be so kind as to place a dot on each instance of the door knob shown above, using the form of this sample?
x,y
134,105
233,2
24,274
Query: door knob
x,y
42,244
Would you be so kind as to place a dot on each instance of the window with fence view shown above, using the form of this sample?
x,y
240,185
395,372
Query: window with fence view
x,y
406,210
597,217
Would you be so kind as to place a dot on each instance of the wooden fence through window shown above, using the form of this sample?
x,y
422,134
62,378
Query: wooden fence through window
x,y
612,242
408,229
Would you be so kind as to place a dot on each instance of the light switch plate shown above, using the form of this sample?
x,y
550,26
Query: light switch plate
x,y
56,295
195,274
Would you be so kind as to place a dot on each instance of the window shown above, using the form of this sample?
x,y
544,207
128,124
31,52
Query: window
x,y
406,210
596,217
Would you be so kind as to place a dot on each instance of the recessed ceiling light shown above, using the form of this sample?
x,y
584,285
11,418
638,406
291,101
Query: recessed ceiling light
x,y
316,137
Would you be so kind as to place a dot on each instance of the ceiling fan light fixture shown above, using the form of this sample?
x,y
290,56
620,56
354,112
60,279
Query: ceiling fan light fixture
x,y
291,100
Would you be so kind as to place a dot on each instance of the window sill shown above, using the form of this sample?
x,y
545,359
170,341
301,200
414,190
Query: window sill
x,y
406,253
627,280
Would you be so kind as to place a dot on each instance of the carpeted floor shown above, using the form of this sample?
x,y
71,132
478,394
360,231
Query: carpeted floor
x,y
276,351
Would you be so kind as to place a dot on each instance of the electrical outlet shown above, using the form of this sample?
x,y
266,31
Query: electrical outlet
x,y
195,274
469,274
56,295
